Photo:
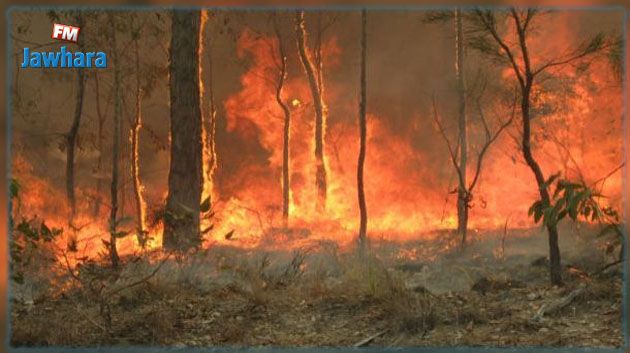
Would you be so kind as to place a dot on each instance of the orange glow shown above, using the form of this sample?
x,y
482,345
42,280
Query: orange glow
x,y
576,132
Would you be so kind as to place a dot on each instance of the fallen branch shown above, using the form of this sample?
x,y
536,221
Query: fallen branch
x,y
612,264
550,308
370,339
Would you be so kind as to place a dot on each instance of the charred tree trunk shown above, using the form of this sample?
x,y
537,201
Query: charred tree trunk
x,y
117,131
71,136
363,138
286,131
181,220
135,162
320,174
462,192
319,60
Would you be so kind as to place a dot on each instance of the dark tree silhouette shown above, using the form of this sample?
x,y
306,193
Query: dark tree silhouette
x,y
282,73
181,217
117,121
490,42
363,133
71,136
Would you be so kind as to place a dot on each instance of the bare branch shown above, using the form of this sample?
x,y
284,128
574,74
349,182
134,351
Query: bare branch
x,y
140,281
490,138
451,152
489,23
593,46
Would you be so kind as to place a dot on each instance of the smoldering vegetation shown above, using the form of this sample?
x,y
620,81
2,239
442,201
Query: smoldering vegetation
x,y
495,294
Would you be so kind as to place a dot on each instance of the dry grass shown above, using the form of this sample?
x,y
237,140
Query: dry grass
x,y
319,296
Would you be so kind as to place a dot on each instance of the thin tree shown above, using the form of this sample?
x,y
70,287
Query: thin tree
x,y
100,144
135,142
489,138
282,74
363,137
71,136
518,57
463,197
181,217
314,84
117,131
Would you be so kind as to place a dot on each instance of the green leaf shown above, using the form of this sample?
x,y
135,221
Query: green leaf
x,y
550,216
535,206
538,215
559,188
551,180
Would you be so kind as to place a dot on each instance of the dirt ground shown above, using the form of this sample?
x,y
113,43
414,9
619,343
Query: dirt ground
x,y
489,295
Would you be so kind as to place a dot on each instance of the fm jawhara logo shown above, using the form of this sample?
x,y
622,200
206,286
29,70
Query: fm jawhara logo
x,y
63,58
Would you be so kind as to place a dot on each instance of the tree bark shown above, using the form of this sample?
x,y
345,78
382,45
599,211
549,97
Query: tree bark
x,y
212,122
286,130
71,136
135,162
113,252
462,192
363,137
552,230
320,174
181,220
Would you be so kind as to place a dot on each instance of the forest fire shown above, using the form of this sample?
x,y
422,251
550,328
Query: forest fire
x,y
274,121
406,197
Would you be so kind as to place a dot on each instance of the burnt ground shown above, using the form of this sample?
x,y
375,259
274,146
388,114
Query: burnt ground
x,y
322,296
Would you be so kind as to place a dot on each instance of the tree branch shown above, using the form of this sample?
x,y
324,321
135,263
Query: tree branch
x,y
448,143
490,138
488,21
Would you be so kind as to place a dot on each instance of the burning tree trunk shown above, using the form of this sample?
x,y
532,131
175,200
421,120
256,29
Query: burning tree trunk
x,y
135,167
463,198
71,136
113,252
211,122
208,124
320,175
526,74
286,130
363,133
181,218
